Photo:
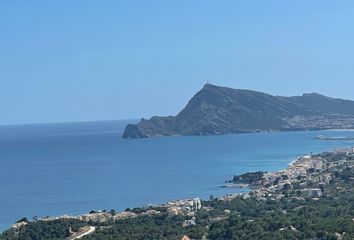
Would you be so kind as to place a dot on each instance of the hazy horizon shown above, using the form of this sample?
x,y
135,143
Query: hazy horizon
x,y
132,119
70,61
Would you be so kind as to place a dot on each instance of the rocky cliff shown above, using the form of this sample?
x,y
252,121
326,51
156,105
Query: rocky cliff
x,y
218,110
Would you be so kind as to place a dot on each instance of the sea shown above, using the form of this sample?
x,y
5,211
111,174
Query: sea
x,y
73,168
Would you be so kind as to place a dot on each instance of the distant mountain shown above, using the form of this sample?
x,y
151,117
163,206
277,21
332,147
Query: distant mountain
x,y
218,110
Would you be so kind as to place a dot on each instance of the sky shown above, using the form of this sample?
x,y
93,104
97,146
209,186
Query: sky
x,y
84,60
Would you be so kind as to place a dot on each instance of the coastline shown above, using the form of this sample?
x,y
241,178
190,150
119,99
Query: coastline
x,y
297,167
256,154
340,130
307,182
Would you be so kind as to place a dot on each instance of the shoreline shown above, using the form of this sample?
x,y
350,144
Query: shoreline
x,y
340,130
295,167
274,181
308,181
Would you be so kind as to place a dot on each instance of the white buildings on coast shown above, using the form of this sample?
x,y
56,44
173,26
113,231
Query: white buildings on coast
x,y
184,207
309,174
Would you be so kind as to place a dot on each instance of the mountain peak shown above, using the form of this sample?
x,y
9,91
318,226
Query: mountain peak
x,y
210,86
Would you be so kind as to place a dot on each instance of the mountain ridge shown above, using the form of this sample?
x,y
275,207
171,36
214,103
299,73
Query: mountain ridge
x,y
217,110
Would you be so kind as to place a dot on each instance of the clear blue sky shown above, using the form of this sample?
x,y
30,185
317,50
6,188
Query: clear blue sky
x,y
72,60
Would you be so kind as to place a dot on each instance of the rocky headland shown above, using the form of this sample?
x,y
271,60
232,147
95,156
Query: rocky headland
x,y
218,110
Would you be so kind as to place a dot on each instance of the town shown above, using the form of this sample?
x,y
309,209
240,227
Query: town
x,y
310,181
308,174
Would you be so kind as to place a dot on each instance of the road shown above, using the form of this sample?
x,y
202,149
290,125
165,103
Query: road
x,y
81,235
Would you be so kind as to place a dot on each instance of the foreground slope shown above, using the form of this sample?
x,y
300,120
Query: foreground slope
x,y
218,110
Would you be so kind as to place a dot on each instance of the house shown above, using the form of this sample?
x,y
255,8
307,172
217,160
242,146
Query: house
x,y
313,192
190,222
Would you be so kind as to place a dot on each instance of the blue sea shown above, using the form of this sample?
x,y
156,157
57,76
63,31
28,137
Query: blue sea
x,y
72,168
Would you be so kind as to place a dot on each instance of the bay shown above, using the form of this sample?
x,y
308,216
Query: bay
x,y
72,168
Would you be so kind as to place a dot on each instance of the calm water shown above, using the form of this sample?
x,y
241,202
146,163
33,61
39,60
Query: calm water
x,y
54,169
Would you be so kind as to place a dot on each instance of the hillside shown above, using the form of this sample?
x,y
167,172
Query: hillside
x,y
218,110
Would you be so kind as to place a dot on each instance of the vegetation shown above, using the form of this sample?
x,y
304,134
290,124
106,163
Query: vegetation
x,y
294,216
248,178
57,229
